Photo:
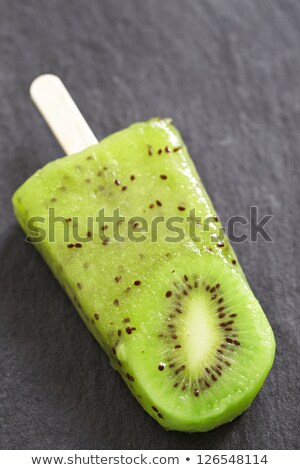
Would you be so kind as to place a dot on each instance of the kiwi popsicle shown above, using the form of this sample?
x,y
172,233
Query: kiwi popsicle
x,y
130,233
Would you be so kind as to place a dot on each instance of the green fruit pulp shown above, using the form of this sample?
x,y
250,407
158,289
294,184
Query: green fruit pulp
x,y
127,291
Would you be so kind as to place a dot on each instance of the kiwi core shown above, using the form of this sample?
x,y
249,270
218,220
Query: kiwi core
x,y
201,334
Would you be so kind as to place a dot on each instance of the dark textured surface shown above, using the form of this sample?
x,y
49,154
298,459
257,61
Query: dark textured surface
x,y
228,73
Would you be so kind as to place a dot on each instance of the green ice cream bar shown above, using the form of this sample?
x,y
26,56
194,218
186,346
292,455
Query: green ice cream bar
x,y
159,286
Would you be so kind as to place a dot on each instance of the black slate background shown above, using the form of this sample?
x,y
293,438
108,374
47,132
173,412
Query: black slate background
x,y
228,73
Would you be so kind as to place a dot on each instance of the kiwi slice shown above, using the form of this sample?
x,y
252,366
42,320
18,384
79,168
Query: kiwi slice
x,y
201,353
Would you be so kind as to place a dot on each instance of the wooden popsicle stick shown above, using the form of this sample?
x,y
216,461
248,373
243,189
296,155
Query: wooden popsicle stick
x,y
61,114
